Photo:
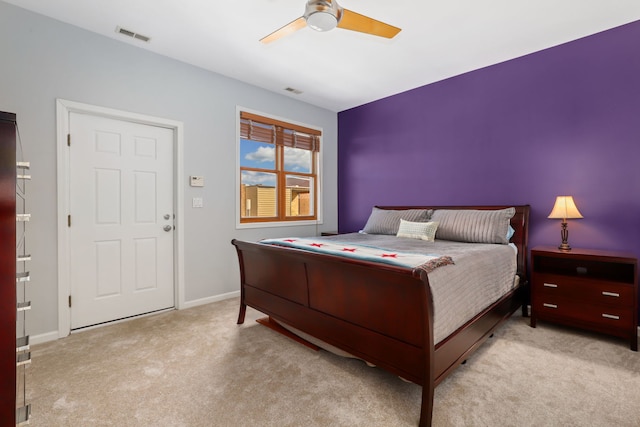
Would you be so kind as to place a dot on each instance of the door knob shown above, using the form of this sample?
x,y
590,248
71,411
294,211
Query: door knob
x,y
167,228
167,216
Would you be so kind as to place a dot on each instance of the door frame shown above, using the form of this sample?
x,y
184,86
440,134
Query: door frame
x,y
63,109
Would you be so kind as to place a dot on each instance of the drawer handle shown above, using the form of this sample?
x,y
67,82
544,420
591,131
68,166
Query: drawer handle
x,y
551,305
610,316
550,285
610,294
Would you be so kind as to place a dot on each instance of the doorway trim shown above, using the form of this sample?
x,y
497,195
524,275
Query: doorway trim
x,y
63,109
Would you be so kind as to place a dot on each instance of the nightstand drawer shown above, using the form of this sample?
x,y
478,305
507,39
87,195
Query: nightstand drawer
x,y
599,317
585,290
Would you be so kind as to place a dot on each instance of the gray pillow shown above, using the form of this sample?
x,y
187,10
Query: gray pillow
x,y
387,221
473,226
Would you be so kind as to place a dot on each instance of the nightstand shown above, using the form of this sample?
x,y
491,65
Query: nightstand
x,y
589,289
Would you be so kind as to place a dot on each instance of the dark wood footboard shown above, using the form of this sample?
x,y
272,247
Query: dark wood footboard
x,y
380,313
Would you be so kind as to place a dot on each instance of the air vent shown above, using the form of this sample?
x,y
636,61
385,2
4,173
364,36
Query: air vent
x,y
292,90
132,34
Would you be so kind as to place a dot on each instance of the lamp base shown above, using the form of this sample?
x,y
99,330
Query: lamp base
x,y
564,247
564,234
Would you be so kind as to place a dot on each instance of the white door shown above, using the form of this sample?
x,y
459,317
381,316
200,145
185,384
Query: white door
x,y
121,219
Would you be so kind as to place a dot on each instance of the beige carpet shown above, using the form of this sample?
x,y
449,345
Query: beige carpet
x,y
196,367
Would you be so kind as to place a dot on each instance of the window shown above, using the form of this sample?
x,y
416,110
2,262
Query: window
x,y
278,170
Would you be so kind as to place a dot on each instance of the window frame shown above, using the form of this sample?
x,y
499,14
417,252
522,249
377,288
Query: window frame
x,y
281,219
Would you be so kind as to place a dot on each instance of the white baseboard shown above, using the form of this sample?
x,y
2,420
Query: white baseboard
x,y
53,335
208,300
42,338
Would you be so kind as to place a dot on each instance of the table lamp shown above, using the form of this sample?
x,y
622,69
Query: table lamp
x,y
564,209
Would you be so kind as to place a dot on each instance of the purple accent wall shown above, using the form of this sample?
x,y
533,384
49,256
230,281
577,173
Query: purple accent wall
x,y
563,121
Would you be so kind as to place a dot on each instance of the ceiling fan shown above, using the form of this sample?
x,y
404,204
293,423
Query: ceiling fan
x,y
325,15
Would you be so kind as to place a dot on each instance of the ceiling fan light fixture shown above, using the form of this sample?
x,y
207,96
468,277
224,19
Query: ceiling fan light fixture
x,y
321,21
322,15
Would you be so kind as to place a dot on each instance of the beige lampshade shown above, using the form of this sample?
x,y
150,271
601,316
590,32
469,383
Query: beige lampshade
x,y
565,208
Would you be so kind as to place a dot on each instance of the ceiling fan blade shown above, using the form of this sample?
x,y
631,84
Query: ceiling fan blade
x,y
286,30
355,22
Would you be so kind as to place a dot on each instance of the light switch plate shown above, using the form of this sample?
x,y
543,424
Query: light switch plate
x,y
197,202
196,181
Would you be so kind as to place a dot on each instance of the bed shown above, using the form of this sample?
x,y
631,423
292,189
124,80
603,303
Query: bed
x,y
383,312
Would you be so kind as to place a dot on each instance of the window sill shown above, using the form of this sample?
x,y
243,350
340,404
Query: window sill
x,y
276,224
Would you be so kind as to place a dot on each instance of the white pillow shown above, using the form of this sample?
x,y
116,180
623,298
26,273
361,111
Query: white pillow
x,y
418,230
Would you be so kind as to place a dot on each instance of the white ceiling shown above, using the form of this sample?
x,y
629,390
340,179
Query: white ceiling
x,y
341,69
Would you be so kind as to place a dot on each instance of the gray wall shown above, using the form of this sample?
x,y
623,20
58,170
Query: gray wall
x,y
43,59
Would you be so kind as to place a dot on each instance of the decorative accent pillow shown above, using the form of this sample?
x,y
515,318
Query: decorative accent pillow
x,y
387,221
418,230
473,226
